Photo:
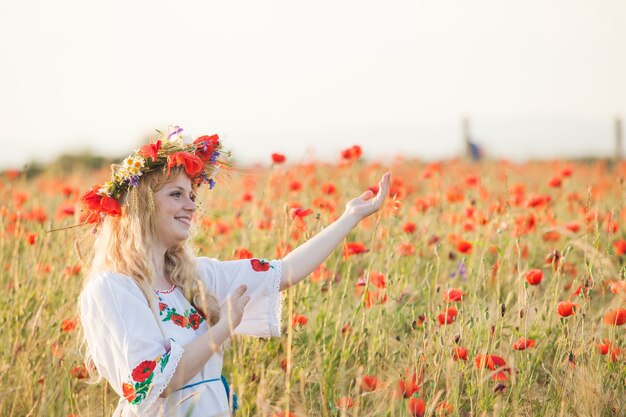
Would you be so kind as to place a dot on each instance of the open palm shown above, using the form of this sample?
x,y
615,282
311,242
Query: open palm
x,y
368,203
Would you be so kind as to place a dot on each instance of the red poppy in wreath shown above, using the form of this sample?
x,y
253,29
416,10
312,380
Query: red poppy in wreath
x,y
193,165
206,146
259,265
143,370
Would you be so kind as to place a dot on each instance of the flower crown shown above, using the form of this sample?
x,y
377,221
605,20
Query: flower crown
x,y
199,159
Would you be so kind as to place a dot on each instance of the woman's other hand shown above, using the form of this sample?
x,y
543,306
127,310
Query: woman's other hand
x,y
368,203
231,311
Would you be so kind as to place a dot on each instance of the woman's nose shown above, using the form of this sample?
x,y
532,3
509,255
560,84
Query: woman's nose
x,y
191,205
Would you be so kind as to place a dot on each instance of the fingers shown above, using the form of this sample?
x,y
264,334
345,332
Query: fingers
x,y
244,301
239,297
366,195
383,185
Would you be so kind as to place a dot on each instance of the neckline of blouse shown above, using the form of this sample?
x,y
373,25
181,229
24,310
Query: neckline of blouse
x,y
166,291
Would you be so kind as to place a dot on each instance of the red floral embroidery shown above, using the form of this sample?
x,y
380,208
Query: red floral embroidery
x,y
143,370
260,265
141,379
195,320
189,319
179,320
129,392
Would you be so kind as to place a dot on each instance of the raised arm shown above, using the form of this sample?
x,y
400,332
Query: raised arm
x,y
305,258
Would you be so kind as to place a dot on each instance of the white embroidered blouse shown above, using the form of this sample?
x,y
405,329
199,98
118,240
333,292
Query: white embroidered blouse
x,y
130,351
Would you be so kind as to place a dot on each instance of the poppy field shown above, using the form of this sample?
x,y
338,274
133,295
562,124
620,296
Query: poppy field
x,y
479,289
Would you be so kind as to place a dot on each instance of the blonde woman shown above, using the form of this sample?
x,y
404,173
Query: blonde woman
x,y
155,316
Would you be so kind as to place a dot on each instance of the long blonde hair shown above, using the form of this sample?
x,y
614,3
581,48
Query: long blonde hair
x,y
123,245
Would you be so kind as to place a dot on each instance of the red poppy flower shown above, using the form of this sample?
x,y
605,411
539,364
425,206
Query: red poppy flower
x,y
615,317
91,199
378,280
206,145
243,253
79,372
603,348
12,174
195,320
566,172
369,383
408,386
534,276
555,182
295,185
328,188
471,180
179,320
406,249
459,353
259,265
162,306
448,316
409,227
97,203
65,210
110,206
374,297
353,248
573,226
523,344
193,164
150,150
537,201
463,246
72,270
566,308
607,347
278,158
143,371
620,247
416,407
493,362
297,215
299,320
453,295
69,324
351,154
128,391
31,238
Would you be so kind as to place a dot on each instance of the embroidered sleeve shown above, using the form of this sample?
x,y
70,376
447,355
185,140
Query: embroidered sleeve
x,y
125,341
262,316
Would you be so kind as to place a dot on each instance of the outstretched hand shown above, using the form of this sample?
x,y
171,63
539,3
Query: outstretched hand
x,y
368,203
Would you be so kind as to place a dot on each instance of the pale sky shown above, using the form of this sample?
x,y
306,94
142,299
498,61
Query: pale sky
x,y
538,78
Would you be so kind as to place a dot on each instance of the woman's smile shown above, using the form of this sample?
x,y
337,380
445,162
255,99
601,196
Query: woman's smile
x,y
176,200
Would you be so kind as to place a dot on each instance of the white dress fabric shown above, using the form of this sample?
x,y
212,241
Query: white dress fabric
x,y
130,351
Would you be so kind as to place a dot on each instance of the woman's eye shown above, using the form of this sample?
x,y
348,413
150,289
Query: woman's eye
x,y
175,194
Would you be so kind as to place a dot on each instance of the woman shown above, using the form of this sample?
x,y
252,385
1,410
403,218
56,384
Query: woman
x,y
155,317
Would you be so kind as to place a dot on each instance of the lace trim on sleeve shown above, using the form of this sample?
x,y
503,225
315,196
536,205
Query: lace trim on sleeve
x,y
276,300
162,379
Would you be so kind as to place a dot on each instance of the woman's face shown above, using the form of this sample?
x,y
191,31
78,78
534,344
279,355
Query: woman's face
x,y
174,210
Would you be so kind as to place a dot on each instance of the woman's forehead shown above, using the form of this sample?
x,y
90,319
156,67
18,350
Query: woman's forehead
x,y
181,180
